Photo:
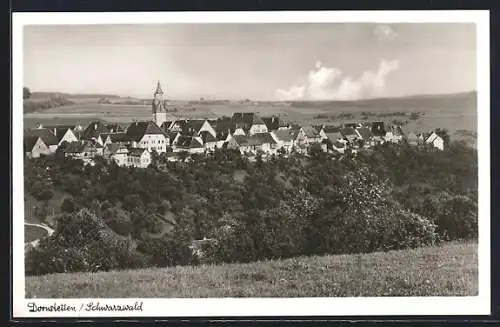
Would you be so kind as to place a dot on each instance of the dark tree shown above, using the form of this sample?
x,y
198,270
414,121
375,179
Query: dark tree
x,y
26,93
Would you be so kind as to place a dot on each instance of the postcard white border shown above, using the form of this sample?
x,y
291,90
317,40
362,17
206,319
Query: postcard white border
x,y
476,305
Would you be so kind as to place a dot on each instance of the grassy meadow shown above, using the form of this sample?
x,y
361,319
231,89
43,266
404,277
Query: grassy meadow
x,y
446,270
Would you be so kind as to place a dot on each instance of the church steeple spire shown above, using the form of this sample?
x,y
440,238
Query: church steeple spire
x,y
159,106
158,88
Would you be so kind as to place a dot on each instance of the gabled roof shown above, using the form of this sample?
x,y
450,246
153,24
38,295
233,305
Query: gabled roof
x,y
171,135
136,152
114,128
285,135
192,126
254,140
29,142
115,147
93,129
272,123
431,138
311,131
207,137
166,125
247,119
378,128
347,131
45,134
224,125
74,147
114,137
81,146
365,133
334,136
137,130
331,129
188,142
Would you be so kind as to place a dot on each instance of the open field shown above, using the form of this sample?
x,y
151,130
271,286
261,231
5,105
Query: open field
x,y
447,270
456,112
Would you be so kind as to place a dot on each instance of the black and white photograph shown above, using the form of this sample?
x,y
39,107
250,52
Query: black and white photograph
x,y
222,164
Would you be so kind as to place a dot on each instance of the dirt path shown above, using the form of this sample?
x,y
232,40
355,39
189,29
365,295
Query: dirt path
x,y
47,228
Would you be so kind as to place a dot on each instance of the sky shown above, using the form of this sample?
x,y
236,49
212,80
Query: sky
x,y
329,61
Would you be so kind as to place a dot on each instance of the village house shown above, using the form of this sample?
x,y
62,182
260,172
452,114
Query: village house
x,y
284,139
172,138
34,147
366,136
196,126
108,138
117,152
84,150
394,134
93,130
190,144
248,123
209,141
312,135
47,137
259,142
64,133
147,135
166,125
114,128
412,139
349,134
436,141
274,123
378,131
338,146
139,157
178,125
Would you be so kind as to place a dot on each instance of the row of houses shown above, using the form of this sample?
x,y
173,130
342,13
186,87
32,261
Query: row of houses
x,y
133,145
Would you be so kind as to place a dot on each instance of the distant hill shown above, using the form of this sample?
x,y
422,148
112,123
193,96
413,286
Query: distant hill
x,y
414,101
72,95
461,95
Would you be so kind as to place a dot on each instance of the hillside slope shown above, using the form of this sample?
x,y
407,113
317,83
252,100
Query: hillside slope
x,y
447,270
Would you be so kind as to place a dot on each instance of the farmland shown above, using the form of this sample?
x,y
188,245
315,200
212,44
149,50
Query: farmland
x,y
457,112
447,270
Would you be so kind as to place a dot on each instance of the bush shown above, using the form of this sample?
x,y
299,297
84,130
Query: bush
x,y
80,243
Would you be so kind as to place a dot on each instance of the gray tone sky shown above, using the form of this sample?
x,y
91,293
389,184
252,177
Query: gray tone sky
x,y
256,61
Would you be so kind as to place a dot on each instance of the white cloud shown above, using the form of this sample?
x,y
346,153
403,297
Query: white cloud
x,y
385,32
321,82
295,92
330,84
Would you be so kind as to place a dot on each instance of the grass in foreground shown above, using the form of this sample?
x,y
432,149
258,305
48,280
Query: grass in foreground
x,y
448,270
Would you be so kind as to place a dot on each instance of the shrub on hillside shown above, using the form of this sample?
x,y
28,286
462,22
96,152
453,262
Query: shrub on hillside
x,y
454,215
81,243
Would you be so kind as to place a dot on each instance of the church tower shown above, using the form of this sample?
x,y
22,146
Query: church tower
x,y
159,106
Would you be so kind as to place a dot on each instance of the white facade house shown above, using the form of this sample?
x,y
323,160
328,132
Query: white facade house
x,y
139,158
436,141
147,135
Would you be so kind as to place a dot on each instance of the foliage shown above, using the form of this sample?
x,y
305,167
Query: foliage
x,y
26,93
81,242
391,198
